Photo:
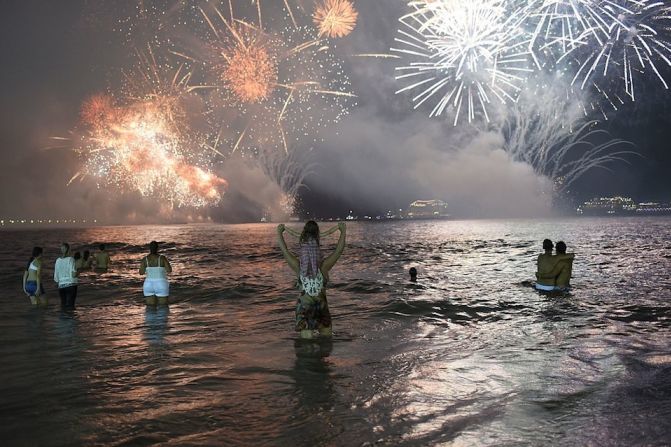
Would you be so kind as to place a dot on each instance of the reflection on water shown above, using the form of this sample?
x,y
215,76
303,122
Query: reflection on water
x,y
468,355
155,324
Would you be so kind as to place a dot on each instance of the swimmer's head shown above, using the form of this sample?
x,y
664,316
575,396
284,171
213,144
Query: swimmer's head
x,y
561,248
65,248
310,231
77,255
101,247
413,274
548,245
153,247
86,254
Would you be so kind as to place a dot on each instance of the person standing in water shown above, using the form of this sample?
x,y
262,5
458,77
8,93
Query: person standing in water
x,y
413,274
546,279
156,287
102,259
65,274
32,281
87,260
560,275
312,312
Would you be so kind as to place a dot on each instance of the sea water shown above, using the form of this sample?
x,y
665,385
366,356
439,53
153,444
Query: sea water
x,y
467,355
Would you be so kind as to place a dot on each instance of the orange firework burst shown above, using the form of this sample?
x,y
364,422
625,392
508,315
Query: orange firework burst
x,y
335,18
251,73
97,110
250,70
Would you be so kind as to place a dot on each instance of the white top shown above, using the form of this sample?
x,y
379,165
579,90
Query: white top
x,y
311,286
65,272
155,272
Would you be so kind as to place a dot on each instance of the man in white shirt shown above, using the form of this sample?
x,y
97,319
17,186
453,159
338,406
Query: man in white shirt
x,y
65,274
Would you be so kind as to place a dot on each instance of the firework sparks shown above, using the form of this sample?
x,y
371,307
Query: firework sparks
x,y
335,18
140,143
276,88
548,131
250,69
636,41
465,54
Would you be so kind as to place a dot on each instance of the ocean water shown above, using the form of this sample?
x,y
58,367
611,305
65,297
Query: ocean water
x,y
467,356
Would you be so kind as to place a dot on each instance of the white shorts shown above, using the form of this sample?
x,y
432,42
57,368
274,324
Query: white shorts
x,y
545,288
156,287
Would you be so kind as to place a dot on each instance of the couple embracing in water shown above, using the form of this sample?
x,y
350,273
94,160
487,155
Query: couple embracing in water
x,y
554,270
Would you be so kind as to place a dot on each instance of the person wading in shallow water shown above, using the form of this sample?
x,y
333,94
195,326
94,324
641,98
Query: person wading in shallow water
x,y
312,312
551,266
156,287
65,274
32,281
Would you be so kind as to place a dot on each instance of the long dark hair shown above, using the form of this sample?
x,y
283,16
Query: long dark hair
x,y
37,251
153,248
310,231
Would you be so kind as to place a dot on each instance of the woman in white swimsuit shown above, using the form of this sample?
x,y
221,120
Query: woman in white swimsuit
x,y
32,281
312,312
156,287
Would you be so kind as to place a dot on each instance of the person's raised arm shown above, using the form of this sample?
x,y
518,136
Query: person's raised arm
x,y
291,259
329,262
331,230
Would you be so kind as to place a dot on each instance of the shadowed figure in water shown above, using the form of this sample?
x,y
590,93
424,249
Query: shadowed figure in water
x,y
312,312
554,271
102,259
413,274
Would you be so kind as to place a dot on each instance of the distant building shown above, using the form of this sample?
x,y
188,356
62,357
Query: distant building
x,y
427,209
608,206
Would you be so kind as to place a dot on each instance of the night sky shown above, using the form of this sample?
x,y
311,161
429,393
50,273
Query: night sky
x,y
382,156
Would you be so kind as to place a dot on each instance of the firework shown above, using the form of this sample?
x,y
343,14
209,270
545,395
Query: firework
x,y
288,171
547,129
250,69
141,143
463,55
335,18
274,89
636,42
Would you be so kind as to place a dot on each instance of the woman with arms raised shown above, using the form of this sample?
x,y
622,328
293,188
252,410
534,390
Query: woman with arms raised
x,y
312,312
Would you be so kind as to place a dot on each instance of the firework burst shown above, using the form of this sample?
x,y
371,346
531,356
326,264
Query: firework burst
x,y
277,88
141,143
636,42
335,18
250,69
463,55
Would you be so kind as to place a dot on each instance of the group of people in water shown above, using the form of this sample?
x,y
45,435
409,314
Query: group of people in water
x,y
309,265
